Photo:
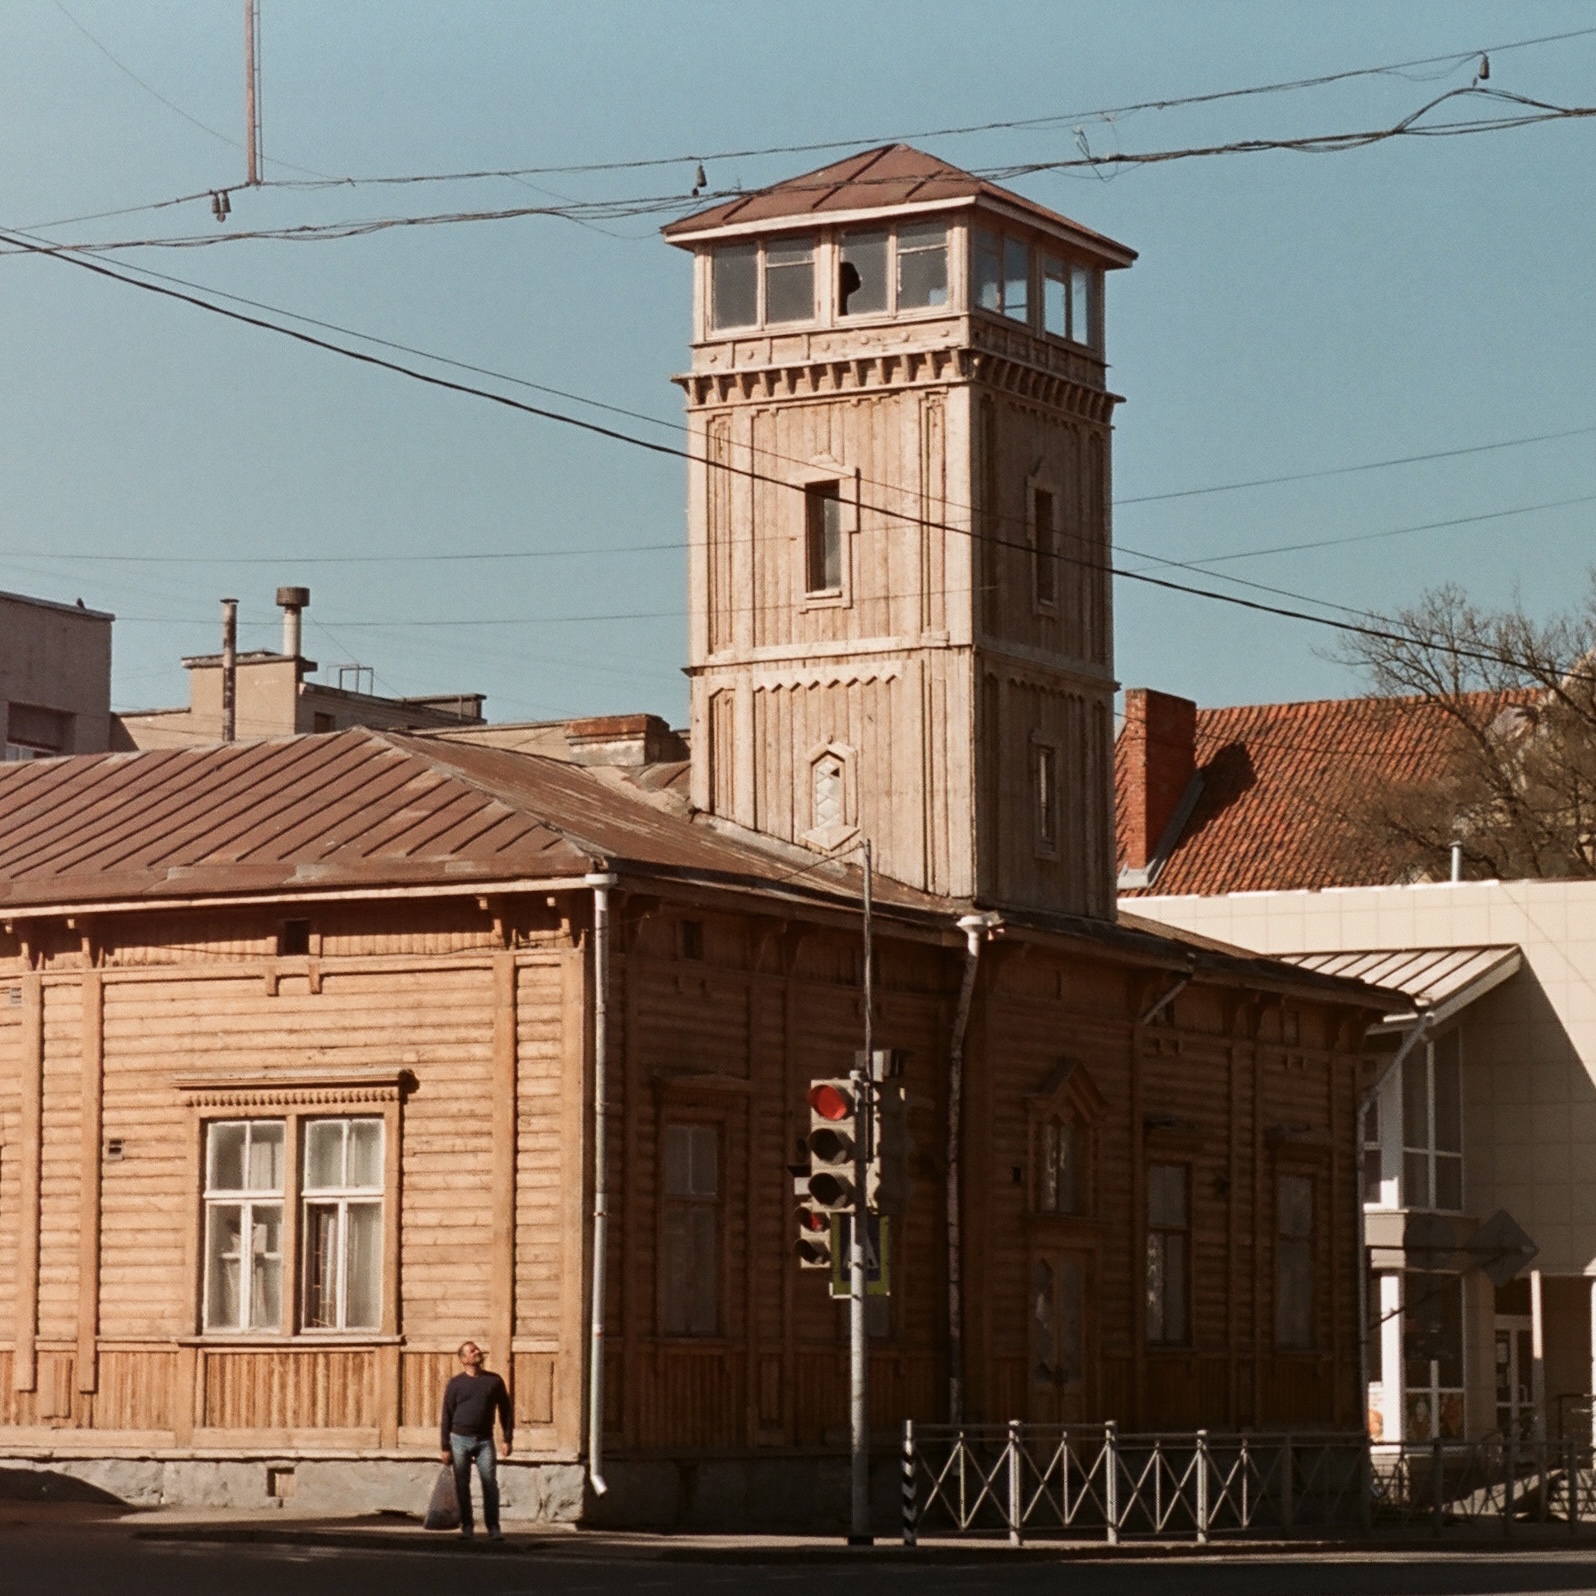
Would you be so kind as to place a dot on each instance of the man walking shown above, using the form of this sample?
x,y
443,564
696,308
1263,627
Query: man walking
x,y
470,1401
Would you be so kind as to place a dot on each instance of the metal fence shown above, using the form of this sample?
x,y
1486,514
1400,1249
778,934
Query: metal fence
x,y
1027,1480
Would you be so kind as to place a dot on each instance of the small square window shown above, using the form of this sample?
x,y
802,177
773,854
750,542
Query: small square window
x,y
294,937
790,281
862,280
823,538
922,265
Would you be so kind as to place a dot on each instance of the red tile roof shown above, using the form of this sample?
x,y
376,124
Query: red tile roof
x,y
1277,782
892,175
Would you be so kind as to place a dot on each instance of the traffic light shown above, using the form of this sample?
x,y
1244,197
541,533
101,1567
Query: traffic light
x,y
814,1238
887,1177
833,1136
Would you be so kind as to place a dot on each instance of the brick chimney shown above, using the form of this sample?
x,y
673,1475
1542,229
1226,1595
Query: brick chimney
x,y
1157,757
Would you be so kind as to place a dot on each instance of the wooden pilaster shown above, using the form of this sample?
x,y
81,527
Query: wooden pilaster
x,y
501,1329
24,1364
93,1075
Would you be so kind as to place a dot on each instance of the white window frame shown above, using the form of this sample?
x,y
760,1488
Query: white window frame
x,y
1423,1058
247,1199
341,1198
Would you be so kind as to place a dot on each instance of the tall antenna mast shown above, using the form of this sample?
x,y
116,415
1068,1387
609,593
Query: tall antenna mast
x,y
252,92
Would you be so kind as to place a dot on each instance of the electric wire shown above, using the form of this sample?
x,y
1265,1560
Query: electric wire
x,y
1352,627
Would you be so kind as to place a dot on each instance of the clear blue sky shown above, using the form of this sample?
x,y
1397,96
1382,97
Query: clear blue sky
x,y
1289,313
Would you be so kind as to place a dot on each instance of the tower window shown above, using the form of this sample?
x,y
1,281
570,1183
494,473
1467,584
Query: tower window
x,y
734,286
1082,317
1044,547
922,265
987,275
790,280
1055,298
862,283
1046,797
823,537
1016,279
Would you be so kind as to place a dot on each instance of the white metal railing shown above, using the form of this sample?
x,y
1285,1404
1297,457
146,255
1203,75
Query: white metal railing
x,y
1090,1480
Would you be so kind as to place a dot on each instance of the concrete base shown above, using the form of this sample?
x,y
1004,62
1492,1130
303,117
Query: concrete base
x,y
793,1494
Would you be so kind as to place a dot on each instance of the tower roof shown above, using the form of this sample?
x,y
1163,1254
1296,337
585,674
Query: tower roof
x,y
892,177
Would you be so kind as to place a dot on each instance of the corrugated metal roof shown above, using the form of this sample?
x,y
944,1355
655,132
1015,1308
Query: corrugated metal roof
x,y
364,810
1440,981
356,808
891,175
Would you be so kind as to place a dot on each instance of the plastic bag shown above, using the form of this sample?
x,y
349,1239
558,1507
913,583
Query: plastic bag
x,y
443,1511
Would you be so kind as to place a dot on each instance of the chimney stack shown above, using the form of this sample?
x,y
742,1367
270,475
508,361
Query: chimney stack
x,y
293,601
1157,759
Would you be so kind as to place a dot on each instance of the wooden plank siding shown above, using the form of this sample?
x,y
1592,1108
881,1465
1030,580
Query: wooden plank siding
x,y
479,1017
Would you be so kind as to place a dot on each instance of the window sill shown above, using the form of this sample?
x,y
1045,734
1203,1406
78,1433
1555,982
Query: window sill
x,y
303,1338
826,599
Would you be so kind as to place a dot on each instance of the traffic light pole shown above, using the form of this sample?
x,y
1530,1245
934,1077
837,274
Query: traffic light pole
x,y
858,1329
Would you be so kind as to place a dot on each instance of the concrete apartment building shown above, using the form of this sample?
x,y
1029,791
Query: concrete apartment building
x,y
1480,1123
55,678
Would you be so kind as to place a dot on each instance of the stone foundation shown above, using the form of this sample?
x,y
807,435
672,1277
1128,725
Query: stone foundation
x,y
795,1494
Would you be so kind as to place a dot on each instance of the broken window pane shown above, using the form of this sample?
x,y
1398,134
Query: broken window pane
x,y
734,286
862,283
922,265
790,280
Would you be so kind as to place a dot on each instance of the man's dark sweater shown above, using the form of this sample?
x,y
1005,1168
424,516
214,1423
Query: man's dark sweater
x,y
469,1403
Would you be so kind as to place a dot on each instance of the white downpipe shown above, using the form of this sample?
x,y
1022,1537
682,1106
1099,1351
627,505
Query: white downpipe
x,y
601,885
976,927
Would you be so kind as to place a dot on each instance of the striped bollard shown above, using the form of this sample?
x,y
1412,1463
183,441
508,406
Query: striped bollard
x,y
910,1513
1016,1499
1111,1481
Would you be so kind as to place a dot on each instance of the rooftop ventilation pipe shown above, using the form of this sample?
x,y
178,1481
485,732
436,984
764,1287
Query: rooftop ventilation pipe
x,y
229,669
293,601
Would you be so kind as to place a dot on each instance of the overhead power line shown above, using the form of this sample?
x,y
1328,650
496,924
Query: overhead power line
x,y
1358,628
1054,119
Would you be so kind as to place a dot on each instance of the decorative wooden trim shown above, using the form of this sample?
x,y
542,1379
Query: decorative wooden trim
x,y
294,1088
31,1130
89,1155
688,1081
576,1180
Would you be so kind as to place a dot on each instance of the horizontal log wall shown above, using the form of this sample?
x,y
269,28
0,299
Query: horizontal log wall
x,y
722,1026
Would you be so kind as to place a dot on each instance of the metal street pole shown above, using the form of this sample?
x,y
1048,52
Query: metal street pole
x,y
858,1338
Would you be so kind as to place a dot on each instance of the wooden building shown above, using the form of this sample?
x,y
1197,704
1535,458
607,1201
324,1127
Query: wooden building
x,y
300,1052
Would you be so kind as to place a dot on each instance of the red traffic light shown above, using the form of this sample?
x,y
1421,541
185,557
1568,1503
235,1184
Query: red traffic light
x,y
829,1101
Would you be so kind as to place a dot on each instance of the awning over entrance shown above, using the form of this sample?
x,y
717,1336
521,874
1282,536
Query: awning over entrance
x,y
1440,981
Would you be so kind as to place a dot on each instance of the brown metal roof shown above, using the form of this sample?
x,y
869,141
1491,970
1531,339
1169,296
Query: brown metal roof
x,y
351,809
892,175
362,811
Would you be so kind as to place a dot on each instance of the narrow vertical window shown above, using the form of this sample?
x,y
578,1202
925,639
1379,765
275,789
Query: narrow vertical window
x,y
1373,1161
1416,1189
1082,311
1061,1167
1044,550
690,1256
828,797
790,280
1294,1262
1055,297
823,537
244,1225
734,286
1446,1091
922,265
1168,1254
1016,279
1046,797
342,1235
862,281
986,274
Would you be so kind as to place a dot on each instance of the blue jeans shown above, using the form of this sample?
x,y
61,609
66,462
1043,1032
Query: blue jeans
x,y
465,1449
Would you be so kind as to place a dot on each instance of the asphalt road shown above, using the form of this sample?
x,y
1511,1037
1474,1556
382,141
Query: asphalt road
x,y
61,1552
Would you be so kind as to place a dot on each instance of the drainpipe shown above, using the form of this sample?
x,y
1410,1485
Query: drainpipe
x,y
976,927
601,885
1409,1042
